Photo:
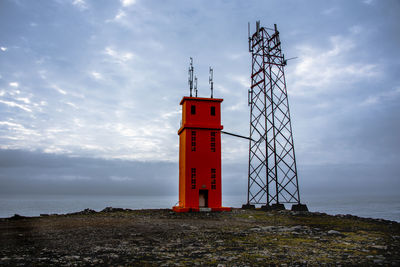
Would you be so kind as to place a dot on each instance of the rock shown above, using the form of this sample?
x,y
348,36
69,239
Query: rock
x,y
83,212
333,232
111,209
296,228
97,261
88,211
158,237
17,217
379,247
113,255
73,257
268,228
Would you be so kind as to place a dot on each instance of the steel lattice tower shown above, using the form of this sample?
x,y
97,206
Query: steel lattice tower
x,y
272,173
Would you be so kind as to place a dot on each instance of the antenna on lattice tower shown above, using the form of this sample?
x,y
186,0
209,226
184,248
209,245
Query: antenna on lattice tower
x,y
211,82
258,29
248,33
286,60
190,80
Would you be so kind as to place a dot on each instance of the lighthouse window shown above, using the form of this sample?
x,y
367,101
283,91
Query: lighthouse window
x,y
212,141
193,140
193,109
193,176
213,179
212,111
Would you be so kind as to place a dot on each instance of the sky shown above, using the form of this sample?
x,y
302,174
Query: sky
x,y
90,91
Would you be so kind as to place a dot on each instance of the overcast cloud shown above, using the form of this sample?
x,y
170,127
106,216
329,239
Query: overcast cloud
x,y
90,91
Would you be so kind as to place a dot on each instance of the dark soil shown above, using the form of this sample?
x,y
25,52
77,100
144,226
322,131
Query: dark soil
x,y
116,237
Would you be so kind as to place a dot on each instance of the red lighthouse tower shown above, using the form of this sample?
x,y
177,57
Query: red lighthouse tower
x,y
200,155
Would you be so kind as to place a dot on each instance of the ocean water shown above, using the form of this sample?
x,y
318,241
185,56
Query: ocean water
x,y
384,207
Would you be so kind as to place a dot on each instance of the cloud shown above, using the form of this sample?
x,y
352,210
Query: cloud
x,y
356,29
238,106
14,84
72,105
126,3
243,80
13,104
119,18
325,69
11,124
58,89
24,99
81,4
97,75
381,97
117,56
172,114
2,48
121,14
17,132
14,92
38,172
120,178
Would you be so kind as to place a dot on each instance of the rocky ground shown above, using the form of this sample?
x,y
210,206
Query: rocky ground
x,y
117,237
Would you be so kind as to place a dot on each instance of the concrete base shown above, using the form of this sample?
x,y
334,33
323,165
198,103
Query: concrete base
x,y
299,207
266,207
221,209
277,206
186,209
248,207
205,209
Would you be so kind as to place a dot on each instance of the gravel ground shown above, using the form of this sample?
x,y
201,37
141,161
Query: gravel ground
x,y
117,237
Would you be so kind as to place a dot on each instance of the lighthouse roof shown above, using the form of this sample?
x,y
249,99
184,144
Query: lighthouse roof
x,y
187,98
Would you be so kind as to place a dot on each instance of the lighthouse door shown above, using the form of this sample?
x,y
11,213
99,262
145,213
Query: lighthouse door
x,y
203,198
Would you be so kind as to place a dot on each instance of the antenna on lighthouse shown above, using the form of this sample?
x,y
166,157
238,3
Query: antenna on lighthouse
x,y
195,85
190,81
211,82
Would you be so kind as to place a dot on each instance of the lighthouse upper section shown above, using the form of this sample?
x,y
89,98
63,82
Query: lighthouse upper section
x,y
201,113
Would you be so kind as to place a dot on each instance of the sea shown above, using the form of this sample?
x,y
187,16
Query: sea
x,y
379,206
